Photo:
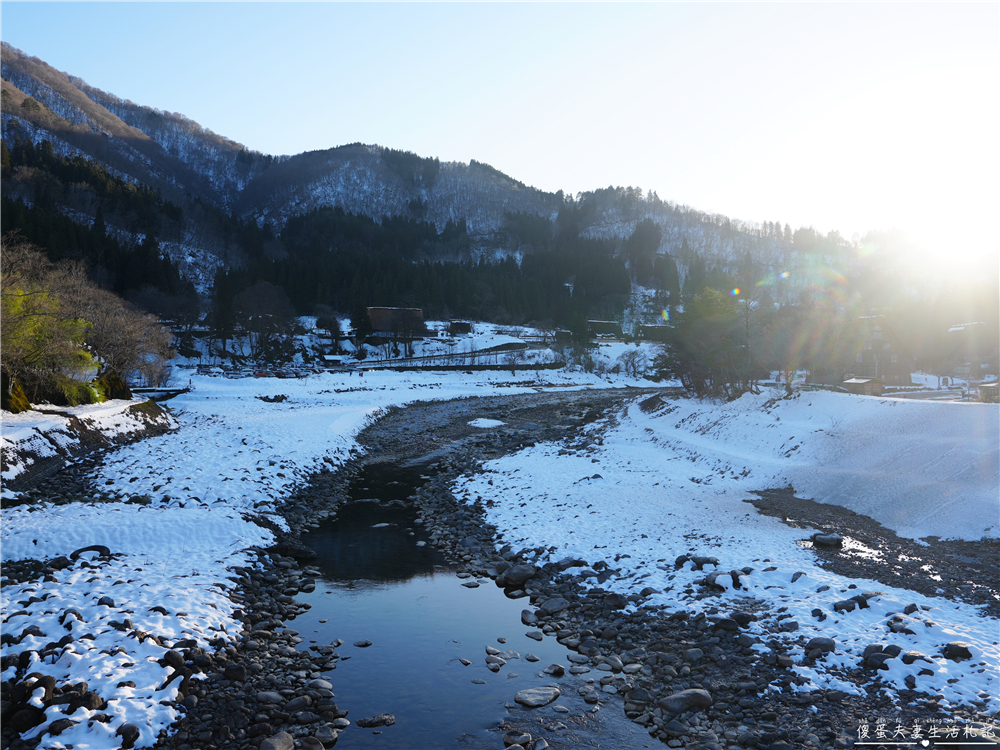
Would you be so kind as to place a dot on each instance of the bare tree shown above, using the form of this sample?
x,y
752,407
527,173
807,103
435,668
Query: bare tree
x,y
58,327
39,333
633,362
128,341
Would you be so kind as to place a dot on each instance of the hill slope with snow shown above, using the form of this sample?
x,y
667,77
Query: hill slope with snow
x,y
172,153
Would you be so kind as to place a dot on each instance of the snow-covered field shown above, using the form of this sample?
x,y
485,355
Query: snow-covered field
x,y
236,455
672,482
479,347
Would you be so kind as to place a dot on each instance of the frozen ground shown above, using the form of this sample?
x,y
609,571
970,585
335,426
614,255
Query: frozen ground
x,y
672,481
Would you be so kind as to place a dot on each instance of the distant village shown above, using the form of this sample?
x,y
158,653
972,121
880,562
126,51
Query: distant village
x,y
877,364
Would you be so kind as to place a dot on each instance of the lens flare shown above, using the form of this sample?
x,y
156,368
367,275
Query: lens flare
x,y
735,292
784,275
665,315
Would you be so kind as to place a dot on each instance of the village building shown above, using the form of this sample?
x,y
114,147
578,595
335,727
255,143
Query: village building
x,y
879,355
397,322
972,352
597,328
864,386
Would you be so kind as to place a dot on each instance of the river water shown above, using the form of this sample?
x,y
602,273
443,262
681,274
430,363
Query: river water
x,y
379,584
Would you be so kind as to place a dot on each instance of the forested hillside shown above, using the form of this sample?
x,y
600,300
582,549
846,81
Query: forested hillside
x,y
150,201
186,163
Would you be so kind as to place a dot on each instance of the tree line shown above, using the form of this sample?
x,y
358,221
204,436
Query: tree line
x,y
340,260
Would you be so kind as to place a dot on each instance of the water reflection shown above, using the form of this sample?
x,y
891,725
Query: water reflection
x,y
422,622
370,543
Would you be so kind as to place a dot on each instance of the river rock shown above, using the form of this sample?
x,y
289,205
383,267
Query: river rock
x,y
536,697
58,726
528,617
911,656
381,720
270,696
60,563
25,719
701,560
615,601
828,541
363,643
129,734
516,576
693,655
516,737
827,645
553,605
100,549
280,741
686,700
957,651
298,703
326,734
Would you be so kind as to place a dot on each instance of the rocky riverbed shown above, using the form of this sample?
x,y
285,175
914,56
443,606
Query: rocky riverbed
x,y
691,681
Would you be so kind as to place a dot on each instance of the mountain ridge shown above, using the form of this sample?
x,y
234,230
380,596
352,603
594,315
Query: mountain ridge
x,y
195,167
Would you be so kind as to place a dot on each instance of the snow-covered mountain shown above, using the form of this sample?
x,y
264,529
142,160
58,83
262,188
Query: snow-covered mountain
x,y
174,154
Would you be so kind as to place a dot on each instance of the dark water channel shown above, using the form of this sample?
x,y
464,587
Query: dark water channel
x,y
378,584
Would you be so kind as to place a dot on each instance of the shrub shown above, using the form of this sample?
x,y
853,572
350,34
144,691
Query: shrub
x,y
12,396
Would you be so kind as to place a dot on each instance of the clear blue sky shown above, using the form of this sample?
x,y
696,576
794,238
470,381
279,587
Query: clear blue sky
x,y
843,116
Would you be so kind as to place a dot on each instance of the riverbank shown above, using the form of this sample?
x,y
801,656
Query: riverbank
x,y
36,444
172,517
223,563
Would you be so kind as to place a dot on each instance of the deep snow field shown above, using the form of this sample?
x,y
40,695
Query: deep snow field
x,y
235,454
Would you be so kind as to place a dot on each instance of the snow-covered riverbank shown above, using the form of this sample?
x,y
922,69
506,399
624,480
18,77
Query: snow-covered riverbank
x,y
681,469
182,520
671,478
